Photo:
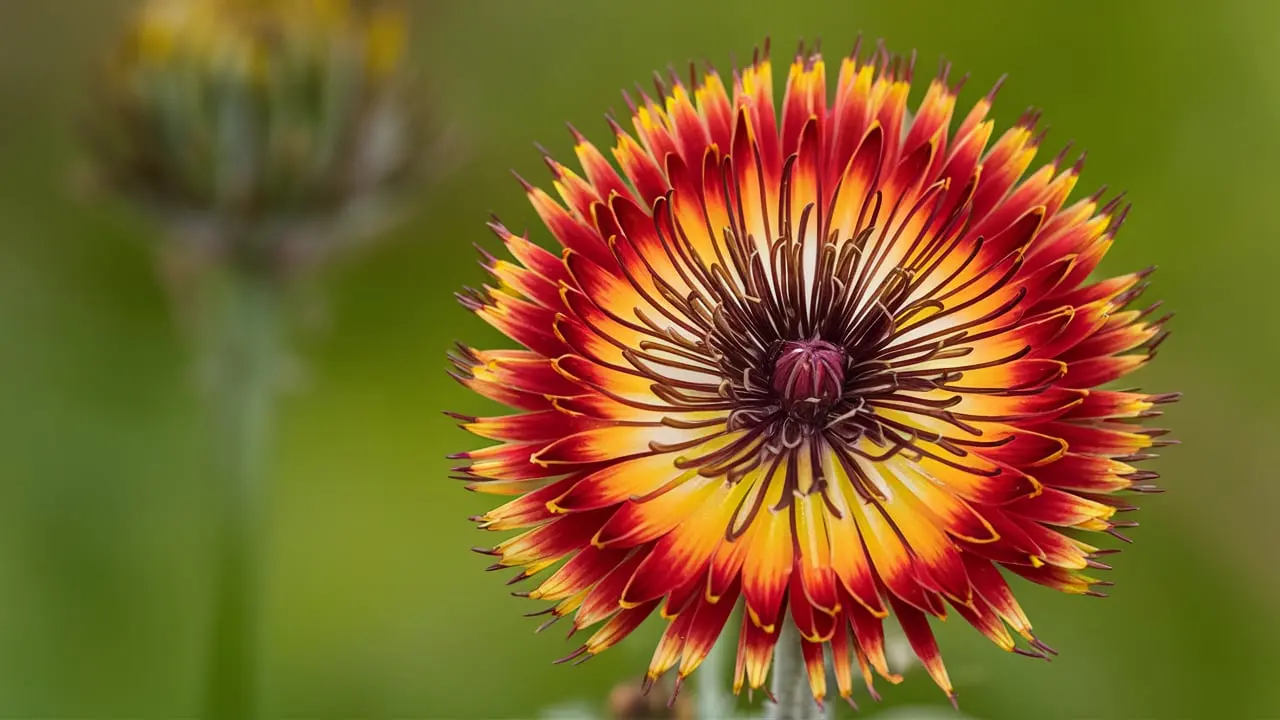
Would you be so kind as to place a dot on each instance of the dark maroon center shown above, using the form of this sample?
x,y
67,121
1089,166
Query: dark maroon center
x,y
808,376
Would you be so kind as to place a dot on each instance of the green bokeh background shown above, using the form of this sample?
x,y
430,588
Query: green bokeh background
x,y
376,609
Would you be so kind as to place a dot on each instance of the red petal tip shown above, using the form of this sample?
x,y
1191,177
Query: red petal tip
x,y
547,624
1031,654
647,684
528,187
1039,644
995,89
1119,536
571,656
675,692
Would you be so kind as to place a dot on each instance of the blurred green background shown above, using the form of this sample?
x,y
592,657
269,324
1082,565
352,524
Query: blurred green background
x,y
376,608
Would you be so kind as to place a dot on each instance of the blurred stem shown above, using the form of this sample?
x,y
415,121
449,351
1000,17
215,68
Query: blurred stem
x,y
794,698
713,701
241,363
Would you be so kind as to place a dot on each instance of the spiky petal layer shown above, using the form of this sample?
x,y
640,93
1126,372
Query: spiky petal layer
x,y
830,359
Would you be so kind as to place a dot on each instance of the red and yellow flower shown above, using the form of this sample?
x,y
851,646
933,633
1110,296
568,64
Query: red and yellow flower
x,y
836,361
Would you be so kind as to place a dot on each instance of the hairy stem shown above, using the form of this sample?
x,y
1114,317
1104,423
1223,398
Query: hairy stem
x,y
713,700
241,356
790,682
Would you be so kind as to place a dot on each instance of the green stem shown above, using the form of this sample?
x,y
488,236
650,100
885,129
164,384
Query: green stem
x,y
790,683
713,702
242,356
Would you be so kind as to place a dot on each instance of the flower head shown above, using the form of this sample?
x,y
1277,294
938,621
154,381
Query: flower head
x,y
262,119
837,360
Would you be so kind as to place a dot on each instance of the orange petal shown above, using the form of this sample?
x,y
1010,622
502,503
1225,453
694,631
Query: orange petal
x,y
707,628
916,626
685,552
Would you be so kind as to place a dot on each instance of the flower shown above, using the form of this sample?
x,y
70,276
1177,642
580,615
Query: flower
x,y
279,122
837,361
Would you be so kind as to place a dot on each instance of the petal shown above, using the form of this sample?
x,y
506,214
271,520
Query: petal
x,y
643,520
1100,371
538,260
916,626
990,585
1023,448
868,634
889,553
526,283
586,568
935,558
980,615
814,567
612,443
1115,440
685,552
571,232
670,645
946,510
617,482
653,128
1089,473
988,483
600,173
766,571
755,654
1057,578
856,184
508,461
708,623
552,540
842,652
689,128
617,628
815,667
603,599
713,103
530,427
639,166
848,552
527,510
1109,404
849,115
528,324
754,92
1056,507
805,96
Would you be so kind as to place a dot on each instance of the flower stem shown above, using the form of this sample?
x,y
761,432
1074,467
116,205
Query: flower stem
x,y
713,702
790,683
241,357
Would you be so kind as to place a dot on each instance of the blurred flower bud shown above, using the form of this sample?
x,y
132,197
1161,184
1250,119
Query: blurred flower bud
x,y
631,701
261,131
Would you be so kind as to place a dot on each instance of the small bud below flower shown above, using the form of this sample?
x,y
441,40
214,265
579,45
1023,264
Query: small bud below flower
x,y
629,701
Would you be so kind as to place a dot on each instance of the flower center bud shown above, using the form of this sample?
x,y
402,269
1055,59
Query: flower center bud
x,y
808,376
